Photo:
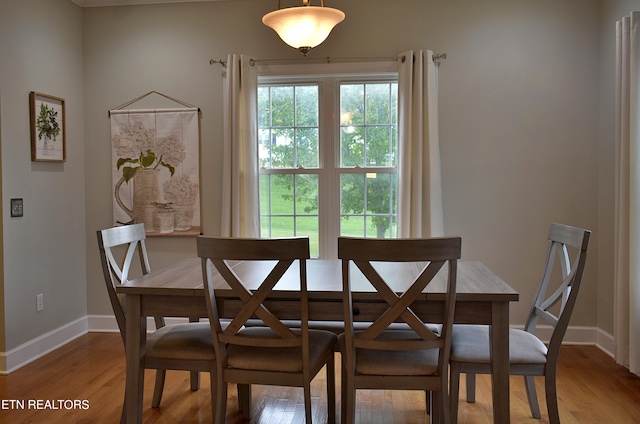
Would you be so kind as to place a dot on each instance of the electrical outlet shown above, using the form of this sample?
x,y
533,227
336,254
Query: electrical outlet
x,y
39,302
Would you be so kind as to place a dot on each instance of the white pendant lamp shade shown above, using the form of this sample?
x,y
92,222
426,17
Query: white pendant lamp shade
x,y
303,27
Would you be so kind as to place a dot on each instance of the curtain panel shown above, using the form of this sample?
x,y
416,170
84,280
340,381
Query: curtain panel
x,y
420,212
627,196
240,196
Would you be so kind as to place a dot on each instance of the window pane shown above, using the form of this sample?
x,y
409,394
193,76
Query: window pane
x,y
264,148
306,106
378,192
351,104
306,194
308,226
379,149
394,103
281,195
352,226
282,106
368,124
351,193
289,207
352,146
265,227
264,106
282,226
378,104
307,151
288,130
265,194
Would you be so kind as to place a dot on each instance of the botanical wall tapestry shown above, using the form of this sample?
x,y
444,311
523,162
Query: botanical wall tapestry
x,y
156,175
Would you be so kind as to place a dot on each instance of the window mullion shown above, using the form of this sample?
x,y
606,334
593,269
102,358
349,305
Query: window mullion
x,y
329,177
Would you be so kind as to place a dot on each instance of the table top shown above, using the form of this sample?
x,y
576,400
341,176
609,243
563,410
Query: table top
x,y
475,281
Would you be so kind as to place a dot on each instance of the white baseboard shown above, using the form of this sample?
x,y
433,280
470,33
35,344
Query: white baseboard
x,y
28,352
588,336
605,342
41,345
108,323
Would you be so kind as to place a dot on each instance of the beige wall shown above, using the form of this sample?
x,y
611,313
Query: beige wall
x,y
44,251
525,126
518,111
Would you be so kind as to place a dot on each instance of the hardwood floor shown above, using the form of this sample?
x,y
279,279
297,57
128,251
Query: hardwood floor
x,y
90,371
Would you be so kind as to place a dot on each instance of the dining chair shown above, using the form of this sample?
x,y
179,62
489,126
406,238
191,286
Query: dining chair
x,y
379,358
528,355
186,346
273,354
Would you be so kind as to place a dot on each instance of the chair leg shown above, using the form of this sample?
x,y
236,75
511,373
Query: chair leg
x,y
195,380
427,395
307,400
444,416
331,390
348,398
123,414
454,391
471,387
343,394
552,397
438,409
158,388
221,401
532,396
244,400
213,381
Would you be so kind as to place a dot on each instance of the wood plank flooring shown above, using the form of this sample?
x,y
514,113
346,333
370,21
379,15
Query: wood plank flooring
x,y
91,369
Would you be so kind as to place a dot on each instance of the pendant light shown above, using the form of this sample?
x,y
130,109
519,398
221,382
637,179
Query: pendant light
x,y
303,27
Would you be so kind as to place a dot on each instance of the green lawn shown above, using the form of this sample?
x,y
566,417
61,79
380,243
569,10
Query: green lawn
x,y
285,224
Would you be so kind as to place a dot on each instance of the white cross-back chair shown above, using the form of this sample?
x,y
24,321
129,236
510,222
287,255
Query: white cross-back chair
x,y
528,355
272,353
187,346
382,358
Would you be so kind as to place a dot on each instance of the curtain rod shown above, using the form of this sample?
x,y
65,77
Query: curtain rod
x,y
435,57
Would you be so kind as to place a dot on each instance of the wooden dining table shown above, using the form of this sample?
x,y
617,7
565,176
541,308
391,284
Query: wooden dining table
x,y
177,291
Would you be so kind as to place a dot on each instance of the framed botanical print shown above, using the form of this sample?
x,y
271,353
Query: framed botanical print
x,y
47,128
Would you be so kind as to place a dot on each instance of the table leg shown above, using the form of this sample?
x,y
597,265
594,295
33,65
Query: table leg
x,y
134,349
499,333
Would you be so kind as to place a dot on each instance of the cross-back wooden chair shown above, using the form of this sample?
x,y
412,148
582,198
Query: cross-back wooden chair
x,y
380,358
272,354
187,346
528,355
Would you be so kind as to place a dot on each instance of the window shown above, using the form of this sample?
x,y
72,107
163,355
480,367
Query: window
x,y
328,158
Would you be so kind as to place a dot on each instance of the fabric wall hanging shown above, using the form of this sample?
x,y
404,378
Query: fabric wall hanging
x,y
155,169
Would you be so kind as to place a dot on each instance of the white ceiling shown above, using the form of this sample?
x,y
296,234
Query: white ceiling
x,y
97,3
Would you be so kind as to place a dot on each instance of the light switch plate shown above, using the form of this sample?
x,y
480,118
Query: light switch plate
x,y
16,208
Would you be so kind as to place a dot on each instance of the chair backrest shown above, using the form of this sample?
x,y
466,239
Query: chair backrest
x,y
564,241
254,287
116,271
426,257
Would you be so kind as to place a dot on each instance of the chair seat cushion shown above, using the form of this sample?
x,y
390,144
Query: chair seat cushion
x,y
321,343
192,341
393,362
470,343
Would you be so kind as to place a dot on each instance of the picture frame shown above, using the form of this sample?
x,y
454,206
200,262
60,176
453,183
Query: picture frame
x,y
48,132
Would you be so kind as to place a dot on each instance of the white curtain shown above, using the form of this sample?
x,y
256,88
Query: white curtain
x,y
420,188
240,196
627,223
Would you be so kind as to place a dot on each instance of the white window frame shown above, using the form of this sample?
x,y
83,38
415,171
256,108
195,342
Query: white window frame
x,y
328,75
